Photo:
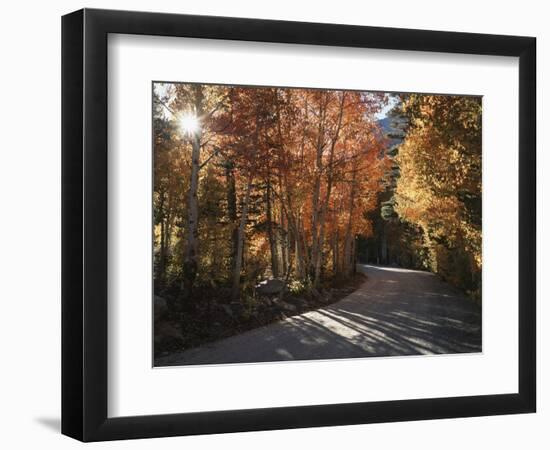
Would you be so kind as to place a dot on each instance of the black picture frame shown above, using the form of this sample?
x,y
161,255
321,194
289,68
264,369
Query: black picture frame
x,y
84,224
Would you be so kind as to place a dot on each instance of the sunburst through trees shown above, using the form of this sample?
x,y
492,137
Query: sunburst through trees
x,y
285,189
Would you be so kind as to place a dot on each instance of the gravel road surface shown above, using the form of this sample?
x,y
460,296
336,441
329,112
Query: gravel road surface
x,y
395,312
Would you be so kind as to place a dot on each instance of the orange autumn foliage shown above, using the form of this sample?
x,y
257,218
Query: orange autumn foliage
x,y
285,179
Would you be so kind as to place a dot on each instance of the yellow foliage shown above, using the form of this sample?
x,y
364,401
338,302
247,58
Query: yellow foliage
x,y
439,188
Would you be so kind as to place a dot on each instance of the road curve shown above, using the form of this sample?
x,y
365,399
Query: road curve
x,y
395,312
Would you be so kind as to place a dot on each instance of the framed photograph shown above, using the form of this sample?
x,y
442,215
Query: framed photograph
x,y
274,225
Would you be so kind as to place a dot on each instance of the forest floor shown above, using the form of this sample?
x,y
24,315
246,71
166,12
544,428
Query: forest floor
x,y
393,312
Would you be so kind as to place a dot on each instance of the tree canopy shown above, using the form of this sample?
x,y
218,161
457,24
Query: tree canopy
x,y
252,183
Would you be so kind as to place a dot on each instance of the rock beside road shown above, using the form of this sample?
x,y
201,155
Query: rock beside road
x,y
270,287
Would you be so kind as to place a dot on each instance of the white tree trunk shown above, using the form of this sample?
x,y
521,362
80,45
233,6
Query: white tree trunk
x,y
235,293
191,249
190,264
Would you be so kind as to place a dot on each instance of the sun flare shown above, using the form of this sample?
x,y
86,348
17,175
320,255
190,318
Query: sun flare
x,y
189,123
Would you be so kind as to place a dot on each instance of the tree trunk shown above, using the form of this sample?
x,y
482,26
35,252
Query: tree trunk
x,y
235,293
169,227
299,251
314,226
335,251
191,250
190,264
272,239
347,253
319,254
384,247
349,240
285,244
354,255
318,261
159,282
294,224
232,212
315,247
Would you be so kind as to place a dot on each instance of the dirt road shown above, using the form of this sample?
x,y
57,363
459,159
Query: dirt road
x,y
395,312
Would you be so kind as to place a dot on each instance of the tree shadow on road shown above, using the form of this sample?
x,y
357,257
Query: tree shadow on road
x,y
429,318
